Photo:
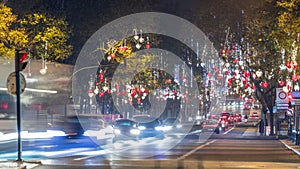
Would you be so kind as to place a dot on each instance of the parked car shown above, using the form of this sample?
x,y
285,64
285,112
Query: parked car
x,y
149,126
125,129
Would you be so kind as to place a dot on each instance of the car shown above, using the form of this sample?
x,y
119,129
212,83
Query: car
x,y
225,114
171,124
254,115
149,126
76,125
238,118
210,125
125,129
231,119
223,120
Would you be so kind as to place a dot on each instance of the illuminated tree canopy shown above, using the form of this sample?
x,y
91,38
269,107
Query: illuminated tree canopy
x,y
32,32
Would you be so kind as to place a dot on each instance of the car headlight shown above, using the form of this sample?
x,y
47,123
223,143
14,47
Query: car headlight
x,y
135,131
159,128
166,128
179,126
117,131
142,127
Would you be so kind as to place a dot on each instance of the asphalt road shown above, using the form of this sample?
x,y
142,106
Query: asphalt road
x,y
236,148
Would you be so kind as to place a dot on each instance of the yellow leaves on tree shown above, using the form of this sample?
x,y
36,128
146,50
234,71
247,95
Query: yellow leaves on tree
x,y
33,32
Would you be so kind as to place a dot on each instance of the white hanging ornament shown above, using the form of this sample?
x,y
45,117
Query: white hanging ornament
x,y
141,40
259,73
136,36
138,46
96,91
105,88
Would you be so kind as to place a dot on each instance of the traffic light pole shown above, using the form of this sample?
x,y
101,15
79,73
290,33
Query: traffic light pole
x,y
18,92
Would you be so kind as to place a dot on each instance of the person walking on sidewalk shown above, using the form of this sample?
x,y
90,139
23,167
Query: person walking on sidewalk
x,y
261,127
246,118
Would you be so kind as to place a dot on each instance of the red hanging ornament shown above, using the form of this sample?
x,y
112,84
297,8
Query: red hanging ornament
x,y
281,82
294,77
288,65
223,52
294,64
265,84
133,92
220,76
147,46
253,87
112,55
101,94
235,61
246,86
101,77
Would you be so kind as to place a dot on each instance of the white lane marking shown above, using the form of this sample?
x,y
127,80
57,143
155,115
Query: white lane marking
x,y
291,148
96,153
229,130
194,150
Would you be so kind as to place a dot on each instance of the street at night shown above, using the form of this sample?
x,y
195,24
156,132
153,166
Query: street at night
x,y
196,84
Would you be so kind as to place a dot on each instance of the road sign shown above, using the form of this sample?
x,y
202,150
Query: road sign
x,y
12,85
281,96
282,108
295,102
296,95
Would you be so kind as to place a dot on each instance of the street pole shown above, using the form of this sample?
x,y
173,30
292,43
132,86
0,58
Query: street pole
x,y
17,71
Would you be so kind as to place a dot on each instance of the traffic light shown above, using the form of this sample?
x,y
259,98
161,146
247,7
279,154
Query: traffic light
x,y
21,60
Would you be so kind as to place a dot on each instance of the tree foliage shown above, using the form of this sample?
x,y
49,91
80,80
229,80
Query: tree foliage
x,y
32,32
275,29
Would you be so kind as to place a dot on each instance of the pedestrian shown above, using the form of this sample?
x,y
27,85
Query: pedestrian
x,y
261,127
223,125
246,118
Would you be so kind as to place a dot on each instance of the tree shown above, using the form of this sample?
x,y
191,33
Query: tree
x,y
273,38
11,37
54,31
32,32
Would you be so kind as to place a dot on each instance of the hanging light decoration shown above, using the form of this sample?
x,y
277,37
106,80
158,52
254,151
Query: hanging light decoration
x,y
43,71
259,73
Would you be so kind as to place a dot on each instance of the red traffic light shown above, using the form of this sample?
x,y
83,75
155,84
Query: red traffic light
x,y
21,60
23,57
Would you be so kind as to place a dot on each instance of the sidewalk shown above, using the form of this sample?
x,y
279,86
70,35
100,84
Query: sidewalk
x,y
18,165
253,132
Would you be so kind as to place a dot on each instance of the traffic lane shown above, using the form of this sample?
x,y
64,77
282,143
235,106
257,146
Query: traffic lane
x,y
55,147
246,150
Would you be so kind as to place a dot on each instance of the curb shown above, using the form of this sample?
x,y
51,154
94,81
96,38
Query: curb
x,y
291,146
